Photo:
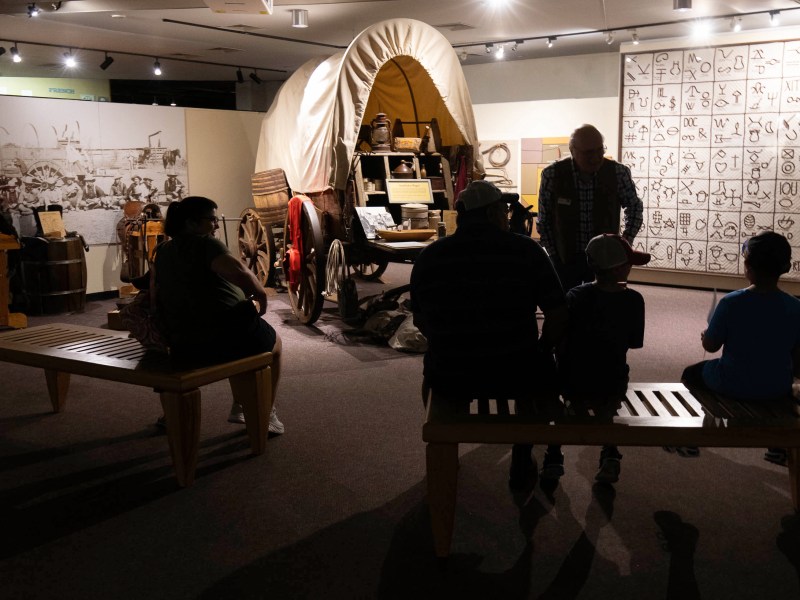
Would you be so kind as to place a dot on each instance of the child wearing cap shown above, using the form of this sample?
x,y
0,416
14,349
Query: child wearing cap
x,y
606,319
758,330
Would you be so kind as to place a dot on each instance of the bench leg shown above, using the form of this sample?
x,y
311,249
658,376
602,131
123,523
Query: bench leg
x,y
442,474
182,413
57,386
253,391
794,476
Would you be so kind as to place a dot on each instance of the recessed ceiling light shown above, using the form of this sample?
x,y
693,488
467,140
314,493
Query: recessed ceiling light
x,y
118,16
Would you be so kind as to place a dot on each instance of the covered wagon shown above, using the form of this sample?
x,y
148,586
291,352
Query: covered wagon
x,y
324,142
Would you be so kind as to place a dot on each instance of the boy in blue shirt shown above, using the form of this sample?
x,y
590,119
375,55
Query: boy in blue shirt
x,y
758,329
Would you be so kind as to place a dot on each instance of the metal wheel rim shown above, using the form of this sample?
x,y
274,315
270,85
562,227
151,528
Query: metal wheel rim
x,y
370,271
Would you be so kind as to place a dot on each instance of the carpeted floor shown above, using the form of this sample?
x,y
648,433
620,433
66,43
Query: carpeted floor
x,y
89,508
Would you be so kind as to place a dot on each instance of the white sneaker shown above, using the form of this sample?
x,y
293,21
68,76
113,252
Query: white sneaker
x,y
237,416
275,426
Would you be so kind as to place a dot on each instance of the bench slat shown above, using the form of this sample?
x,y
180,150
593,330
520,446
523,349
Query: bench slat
x,y
638,408
34,347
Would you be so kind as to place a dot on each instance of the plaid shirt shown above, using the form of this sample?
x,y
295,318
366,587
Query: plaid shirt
x,y
626,192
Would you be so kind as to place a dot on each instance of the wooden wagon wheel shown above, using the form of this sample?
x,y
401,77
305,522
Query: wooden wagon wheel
x,y
371,271
42,171
254,245
306,296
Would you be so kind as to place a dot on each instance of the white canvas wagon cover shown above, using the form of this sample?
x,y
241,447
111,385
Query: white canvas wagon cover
x,y
401,67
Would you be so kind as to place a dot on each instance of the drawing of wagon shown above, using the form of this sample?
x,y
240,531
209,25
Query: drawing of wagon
x,y
39,164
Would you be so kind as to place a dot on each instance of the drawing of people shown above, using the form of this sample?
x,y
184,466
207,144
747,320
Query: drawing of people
x,y
71,194
93,196
152,191
48,194
137,189
173,188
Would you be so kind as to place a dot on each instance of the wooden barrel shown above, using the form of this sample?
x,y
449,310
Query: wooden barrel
x,y
270,196
54,277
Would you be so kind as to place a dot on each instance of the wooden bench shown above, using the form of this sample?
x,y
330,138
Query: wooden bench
x,y
651,414
62,349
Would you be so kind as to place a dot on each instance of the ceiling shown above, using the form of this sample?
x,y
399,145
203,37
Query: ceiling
x,y
168,30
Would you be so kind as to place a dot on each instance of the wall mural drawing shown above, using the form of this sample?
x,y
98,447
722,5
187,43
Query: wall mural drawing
x,y
90,159
712,138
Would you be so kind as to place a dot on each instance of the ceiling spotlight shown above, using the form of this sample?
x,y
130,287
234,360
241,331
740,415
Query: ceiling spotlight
x,y
515,45
32,10
299,17
489,48
15,54
173,103
155,102
501,51
775,18
106,62
55,5
69,60
681,5
463,56
254,76
239,75
609,38
628,59
736,24
551,41
635,38
156,68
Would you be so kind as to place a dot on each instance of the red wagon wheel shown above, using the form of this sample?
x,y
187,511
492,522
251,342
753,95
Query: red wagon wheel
x,y
306,295
255,245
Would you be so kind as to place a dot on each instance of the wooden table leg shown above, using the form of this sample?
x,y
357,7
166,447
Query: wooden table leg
x,y
442,468
57,386
253,391
794,476
182,413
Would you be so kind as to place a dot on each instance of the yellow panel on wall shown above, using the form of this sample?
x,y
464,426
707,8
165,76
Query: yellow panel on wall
x,y
56,87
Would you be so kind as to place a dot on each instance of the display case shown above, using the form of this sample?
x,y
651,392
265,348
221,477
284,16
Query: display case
x,y
371,170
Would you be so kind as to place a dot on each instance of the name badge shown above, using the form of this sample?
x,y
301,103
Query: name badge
x,y
565,201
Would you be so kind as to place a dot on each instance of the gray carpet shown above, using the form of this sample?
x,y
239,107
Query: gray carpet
x,y
89,508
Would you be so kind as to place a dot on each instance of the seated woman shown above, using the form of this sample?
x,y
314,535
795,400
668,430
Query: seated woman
x,y
209,303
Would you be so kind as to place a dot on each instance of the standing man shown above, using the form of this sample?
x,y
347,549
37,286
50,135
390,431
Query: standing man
x,y
579,198
474,296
